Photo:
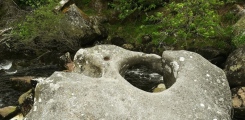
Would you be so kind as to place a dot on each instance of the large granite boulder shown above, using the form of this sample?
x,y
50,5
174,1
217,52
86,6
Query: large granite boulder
x,y
97,90
235,68
82,28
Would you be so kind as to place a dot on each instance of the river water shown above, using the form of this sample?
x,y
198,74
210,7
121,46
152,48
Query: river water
x,y
8,95
143,78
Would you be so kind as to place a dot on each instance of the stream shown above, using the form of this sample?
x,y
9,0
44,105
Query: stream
x,y
8,95
143,78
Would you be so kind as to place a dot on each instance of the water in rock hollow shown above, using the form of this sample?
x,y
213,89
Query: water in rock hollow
x,y
142,77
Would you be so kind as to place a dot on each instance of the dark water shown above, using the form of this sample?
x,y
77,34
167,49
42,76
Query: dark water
x,y
8,95
143,78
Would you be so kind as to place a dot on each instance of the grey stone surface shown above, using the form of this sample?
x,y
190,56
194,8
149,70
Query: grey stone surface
x,y
200,86
96,90
80,27
235,68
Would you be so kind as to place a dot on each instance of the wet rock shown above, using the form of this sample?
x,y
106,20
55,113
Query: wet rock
x,y
21,83
161,87
18,117
96,89
26,101
238,102
9,95
5,64
18,112
7,110
235,68
10,113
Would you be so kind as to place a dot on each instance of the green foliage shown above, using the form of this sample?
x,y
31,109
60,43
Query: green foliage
x,y
190,19
187,23
43,21
34,3
230,18
127,7
239,40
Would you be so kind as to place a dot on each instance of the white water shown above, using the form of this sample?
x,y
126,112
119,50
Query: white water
x,y
5,64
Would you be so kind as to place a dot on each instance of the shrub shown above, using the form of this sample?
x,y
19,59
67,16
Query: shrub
x,y
239,40
178,22
190,19
34,3
127,7
43,21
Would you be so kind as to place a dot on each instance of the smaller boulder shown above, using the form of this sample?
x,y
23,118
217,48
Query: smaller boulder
x,y
238,102
82,28
238,97
7,110
161,87
235,68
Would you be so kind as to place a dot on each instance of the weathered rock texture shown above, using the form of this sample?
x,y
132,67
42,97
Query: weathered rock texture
x,y
81,27
235,68
96,90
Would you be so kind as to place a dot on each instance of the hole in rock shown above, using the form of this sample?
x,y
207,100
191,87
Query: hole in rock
x,y
144,78
107,58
